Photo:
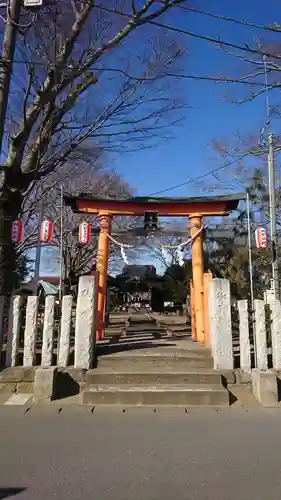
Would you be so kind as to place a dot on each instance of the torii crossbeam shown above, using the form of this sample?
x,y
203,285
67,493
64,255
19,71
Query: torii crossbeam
x,y
193,208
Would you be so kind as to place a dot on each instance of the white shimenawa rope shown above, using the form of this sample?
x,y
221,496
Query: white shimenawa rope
x,y
178,248
187,242
122,246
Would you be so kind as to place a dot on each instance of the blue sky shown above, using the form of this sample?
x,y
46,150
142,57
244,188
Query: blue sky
x,y
189,153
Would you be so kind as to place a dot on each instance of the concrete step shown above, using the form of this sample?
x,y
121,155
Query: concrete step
x,y
119,318
131,341
97,377
178,335
114,330
176,395
128,363
140,337
156,333
172,320
126,344
122,346
135,322
176,328
147,328
165,347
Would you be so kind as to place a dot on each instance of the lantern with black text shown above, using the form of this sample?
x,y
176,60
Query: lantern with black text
x,y
261,236
84,233
46,231
17,231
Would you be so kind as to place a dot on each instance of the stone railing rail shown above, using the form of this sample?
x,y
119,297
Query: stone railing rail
x,y
81,343
84,340
259,340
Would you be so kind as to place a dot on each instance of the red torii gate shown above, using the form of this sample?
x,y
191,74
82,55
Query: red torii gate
x,y
193,208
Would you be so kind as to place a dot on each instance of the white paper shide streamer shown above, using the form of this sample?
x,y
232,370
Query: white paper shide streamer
x,y
164,255
180,256
122,246
124,256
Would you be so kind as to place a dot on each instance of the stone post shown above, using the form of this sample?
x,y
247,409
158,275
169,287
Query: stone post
x,y
30,331
66,316
13,331
45,384
244,340
206,279
261,345
220,324
192,312
275,306
48,332
269,296
85,323
265,387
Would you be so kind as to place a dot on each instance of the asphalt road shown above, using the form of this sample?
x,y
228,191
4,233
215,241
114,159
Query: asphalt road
x,y
140,455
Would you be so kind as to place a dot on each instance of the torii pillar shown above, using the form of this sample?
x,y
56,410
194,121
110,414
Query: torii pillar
x,y
196,222
102,272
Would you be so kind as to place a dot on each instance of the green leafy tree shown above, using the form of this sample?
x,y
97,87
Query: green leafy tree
x,y
176,282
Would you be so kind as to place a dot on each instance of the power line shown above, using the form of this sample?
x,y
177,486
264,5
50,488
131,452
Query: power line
x,y
245,48
219,80
276,29
214,79
178,30
200,177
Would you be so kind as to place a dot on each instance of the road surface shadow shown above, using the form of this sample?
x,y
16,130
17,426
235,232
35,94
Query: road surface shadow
x,y
10,492
231,396
66,387
278,389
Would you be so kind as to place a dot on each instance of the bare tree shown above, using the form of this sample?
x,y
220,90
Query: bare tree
x,y
164,245
85,74
46,198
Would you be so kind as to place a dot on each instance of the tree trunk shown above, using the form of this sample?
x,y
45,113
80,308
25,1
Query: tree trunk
x,y
10,209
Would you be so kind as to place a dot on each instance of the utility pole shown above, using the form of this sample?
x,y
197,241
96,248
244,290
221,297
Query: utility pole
x,y
251,272
38,251
61,243
272,212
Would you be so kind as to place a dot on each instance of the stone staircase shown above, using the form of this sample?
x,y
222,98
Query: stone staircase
x,y
146,367
175,326
138,327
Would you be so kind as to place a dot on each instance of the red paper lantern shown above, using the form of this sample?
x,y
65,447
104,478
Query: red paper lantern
x,y
46,231
261,236
17,231
84,233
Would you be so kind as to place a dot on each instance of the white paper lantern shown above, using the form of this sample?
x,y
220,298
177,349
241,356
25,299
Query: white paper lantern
x,y
84,233
46,231
261,236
